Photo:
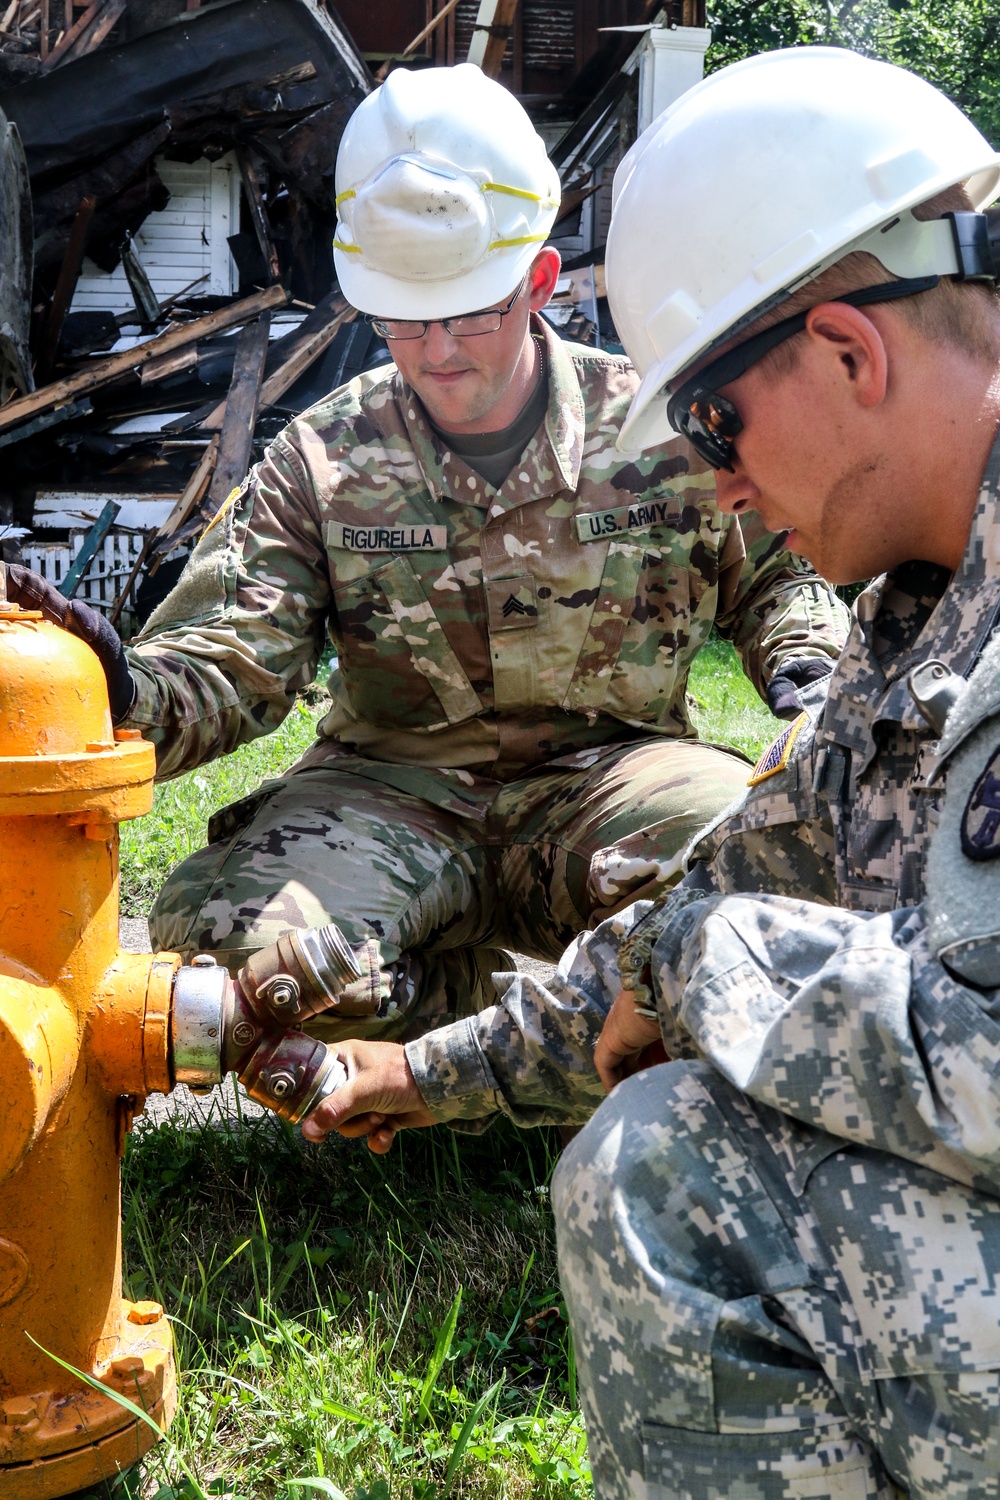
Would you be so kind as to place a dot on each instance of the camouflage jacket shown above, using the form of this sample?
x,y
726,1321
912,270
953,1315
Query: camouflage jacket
x,y
835,1010
479,631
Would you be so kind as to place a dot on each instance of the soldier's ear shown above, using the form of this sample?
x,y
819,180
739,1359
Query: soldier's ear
x,y
543,276
855,349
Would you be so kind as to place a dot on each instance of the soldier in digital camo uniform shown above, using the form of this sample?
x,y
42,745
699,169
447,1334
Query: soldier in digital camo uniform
x,y
514,605
781,1251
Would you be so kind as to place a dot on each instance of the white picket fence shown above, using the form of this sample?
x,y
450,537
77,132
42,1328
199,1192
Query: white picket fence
x,y
103,580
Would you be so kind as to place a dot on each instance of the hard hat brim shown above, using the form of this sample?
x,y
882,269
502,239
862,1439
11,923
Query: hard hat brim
x,y
386,297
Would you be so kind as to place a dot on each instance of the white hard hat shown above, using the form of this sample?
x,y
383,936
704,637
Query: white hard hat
x,y
444,195
758,179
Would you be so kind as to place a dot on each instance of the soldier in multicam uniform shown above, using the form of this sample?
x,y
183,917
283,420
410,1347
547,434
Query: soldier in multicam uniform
x,y
515,607
781,1251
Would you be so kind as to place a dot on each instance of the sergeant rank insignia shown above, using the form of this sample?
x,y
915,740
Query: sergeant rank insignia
x,y
981,819
777,756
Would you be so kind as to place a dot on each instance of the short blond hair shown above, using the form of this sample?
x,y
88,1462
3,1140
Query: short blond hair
x,y
965,314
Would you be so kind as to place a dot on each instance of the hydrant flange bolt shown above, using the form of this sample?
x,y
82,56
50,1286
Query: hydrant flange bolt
x,y
20,1411
144,1313
280,1085
281,992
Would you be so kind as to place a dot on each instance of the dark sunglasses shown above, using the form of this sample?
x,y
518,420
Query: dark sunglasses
x,y
709,421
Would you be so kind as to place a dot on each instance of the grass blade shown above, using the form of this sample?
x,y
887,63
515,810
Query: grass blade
x,y
325,1487
442,1347
467,1429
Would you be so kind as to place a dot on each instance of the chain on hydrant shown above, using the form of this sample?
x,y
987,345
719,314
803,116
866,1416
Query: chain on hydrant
x,y
87,1032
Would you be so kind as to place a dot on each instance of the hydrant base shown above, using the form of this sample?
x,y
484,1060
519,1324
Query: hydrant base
x,y
52,1445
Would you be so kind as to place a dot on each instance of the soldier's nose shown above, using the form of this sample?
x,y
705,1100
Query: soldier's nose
x,y
734,491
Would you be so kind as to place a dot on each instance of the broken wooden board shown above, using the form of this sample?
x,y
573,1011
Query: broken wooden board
x,y
95,536
241,407
102,372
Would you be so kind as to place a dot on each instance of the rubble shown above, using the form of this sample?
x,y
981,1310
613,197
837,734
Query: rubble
x,y
141,415
167,291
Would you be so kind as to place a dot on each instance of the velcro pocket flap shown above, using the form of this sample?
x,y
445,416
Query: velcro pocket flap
x,y
423,632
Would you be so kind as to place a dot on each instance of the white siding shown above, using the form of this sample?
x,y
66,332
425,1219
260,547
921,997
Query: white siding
x,y
187,240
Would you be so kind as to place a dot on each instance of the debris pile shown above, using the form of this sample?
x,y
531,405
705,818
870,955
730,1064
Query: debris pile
x,y
178,168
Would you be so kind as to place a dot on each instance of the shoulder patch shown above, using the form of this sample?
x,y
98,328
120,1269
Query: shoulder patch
x,y
981,819
227,504
777,755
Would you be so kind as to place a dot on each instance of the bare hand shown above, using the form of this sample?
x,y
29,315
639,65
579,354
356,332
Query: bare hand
x,y
379,1097
626,1036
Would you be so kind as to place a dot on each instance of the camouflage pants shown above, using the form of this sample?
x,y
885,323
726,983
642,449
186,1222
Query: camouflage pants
x,y
748,1331
442,890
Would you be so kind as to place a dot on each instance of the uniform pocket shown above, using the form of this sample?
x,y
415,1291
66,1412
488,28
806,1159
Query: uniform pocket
x,y
395,659
829,1464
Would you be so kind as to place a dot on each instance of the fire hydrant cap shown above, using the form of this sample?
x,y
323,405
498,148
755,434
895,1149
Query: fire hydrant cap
x,y
53,696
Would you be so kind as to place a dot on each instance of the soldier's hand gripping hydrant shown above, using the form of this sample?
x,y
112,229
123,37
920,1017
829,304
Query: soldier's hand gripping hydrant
x,y
87,1032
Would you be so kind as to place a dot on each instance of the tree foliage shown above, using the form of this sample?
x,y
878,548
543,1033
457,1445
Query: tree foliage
x,y
954,44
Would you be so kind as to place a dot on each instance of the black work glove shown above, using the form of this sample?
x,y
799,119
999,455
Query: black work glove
x,y
33,592
784,685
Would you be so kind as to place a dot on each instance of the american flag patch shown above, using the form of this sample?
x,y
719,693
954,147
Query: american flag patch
x,y
777,756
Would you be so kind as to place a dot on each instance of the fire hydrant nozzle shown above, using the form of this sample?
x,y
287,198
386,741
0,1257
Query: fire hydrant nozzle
x,y
216,1028
301,975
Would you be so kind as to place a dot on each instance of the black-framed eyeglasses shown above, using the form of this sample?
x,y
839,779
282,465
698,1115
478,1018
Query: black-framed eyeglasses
x,y
709,421
465,326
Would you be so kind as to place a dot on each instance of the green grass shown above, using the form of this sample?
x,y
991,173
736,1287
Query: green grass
x,y
390,1325
724,703
384,1328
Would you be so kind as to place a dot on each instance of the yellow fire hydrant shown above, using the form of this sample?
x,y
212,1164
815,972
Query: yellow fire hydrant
x,y
83,1040
87,1032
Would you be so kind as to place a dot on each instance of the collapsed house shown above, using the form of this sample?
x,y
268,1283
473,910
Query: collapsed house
x,y
175,301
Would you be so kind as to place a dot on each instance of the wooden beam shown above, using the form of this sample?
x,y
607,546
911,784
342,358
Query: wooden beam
x,y
50,419
421,36
103,371
69,275
491,34
147,304
69,37
193,493
258,213
93,38
46,420
275,386
83,30
169,364
130,581
242,405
